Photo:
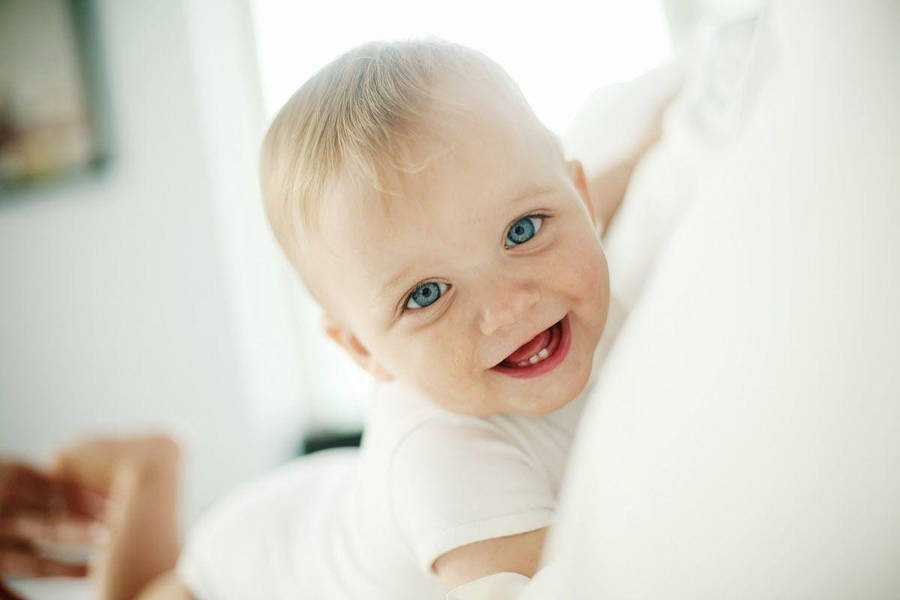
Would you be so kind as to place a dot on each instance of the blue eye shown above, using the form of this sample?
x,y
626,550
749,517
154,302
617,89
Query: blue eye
x,y
426,294
523,230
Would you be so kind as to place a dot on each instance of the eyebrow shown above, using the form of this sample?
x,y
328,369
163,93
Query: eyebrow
x,y
529,191
532,189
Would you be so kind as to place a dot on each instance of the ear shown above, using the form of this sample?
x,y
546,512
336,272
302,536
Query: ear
x,y
576,174
351,344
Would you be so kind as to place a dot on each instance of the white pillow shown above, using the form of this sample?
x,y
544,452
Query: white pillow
x,y
744,439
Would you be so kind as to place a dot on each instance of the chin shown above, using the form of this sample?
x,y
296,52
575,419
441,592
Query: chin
x,y
545,405
558,390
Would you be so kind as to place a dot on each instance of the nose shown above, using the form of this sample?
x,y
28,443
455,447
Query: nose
x,y
505,305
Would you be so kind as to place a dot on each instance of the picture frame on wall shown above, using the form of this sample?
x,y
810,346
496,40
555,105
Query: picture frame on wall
x,y
54,114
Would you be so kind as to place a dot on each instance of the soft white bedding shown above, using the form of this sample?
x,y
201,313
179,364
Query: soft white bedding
x,y
744,441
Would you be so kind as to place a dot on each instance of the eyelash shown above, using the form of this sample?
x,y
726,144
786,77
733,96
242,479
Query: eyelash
x,y
404,308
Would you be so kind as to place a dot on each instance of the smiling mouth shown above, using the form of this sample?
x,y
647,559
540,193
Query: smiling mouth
x,y
542,353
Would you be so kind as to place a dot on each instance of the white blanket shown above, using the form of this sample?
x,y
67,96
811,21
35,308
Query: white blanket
x,y
744,441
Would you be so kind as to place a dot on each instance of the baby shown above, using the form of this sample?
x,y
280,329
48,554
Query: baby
x,y
455,252
457,257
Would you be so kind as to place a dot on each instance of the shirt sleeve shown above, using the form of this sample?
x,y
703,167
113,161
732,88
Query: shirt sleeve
x,y
463,481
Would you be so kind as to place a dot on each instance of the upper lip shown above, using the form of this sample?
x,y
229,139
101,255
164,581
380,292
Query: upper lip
x,y
527,339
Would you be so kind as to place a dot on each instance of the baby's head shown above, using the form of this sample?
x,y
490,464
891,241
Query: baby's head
x,y
436,222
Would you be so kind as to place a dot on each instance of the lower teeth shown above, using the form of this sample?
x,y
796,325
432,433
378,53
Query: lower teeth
x,y
543,354
536,358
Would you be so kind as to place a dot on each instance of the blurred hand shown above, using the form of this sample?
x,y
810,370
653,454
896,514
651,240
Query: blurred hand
x,y
71,502
139,475
40,507
97,464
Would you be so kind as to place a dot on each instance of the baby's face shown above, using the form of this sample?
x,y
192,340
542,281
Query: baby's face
x,y
485,287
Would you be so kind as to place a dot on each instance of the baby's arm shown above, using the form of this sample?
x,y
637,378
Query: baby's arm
x,y
608,185
511,554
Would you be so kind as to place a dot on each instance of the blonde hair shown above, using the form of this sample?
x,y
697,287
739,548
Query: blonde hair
x,y
357,115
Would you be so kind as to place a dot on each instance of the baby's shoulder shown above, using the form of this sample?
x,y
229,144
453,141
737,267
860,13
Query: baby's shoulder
x,y
449,480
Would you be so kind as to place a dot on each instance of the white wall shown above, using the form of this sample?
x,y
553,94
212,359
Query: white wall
x,y
119,306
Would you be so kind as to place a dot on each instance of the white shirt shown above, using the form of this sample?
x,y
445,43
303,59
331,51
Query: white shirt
x,y
426,481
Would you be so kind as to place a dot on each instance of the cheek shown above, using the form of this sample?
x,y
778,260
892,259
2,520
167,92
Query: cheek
x,y
582,272
435,360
